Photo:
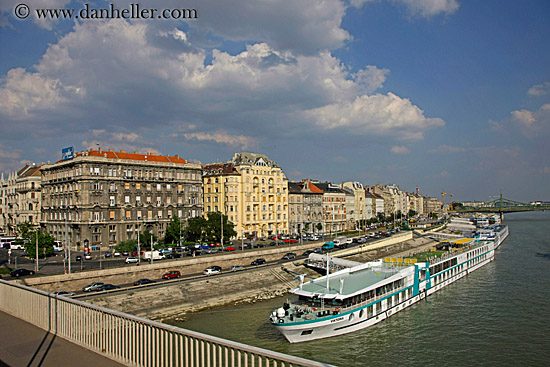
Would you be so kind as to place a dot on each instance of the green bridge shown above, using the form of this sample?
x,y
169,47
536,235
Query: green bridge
x,y
501,205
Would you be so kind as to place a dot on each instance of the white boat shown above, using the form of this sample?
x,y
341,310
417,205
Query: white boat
x,y
358,297
496,233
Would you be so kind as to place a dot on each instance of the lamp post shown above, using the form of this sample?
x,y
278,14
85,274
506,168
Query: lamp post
x,y
36,254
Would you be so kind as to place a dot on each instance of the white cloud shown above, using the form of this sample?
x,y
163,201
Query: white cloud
x,y
376,114
399,149
222,137
421,8
539,89
27,93
533,123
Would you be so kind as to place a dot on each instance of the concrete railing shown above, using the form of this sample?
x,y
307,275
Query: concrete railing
x,y
132,340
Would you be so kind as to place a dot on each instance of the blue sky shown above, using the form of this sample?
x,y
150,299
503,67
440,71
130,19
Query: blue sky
x,y
448,95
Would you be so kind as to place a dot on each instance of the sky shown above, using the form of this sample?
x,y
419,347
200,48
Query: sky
x,y
446,95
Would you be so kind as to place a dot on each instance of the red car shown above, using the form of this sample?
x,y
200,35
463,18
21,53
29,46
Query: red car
x,y
171,275
230,249
291,241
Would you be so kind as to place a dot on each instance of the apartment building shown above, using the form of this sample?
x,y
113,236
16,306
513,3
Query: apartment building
x,y
8,203
252,190
306,207
334,207
20,198
103,197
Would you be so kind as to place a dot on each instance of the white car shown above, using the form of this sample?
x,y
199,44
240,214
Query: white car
x,y
212,270
131,260
92,287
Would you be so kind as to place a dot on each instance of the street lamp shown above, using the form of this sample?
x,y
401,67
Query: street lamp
x,y
36,254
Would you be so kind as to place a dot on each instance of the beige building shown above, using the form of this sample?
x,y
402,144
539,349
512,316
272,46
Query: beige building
x,y
105,197
20,198
28,195
252,191
8,204
359,203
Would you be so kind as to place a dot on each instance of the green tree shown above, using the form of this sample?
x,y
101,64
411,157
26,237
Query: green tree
x,y
306,227
195,228
173,231
381,217
127,246
319,227
25,230
412,213
45,244
145,239
214,225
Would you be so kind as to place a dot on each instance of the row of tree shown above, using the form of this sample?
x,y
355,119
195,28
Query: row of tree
x,y
197,229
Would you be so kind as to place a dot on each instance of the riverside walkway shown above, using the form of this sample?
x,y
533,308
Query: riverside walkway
x,y
25,345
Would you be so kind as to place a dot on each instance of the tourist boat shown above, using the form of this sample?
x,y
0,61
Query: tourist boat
x,y
360,296
496,233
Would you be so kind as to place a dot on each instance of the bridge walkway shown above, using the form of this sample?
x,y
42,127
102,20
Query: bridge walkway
x,y
25,345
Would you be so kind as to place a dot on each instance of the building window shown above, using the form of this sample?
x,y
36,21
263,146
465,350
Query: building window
x,y
111,200
127,199
112,215
128,214
127,186
138,185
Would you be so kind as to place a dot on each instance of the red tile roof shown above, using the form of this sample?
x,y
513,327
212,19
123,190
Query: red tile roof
x,y
132,156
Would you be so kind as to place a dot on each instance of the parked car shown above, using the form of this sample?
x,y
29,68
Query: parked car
x,y
79,258
87,257
236,268
143,281
131,260
116,254
92,287
259,261
212,270
172,275
125,253
64,293
289,256
107,255
307,252
107,287
21,272
230,248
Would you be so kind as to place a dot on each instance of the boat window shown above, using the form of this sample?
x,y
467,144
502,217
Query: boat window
x,y
307,332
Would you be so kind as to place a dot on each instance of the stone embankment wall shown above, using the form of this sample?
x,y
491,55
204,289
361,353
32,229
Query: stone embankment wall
x,y
130,273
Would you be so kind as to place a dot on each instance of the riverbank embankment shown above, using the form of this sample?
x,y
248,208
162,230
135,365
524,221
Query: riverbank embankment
x,y
178,299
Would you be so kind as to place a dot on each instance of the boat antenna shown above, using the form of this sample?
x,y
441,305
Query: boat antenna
x,y
328,266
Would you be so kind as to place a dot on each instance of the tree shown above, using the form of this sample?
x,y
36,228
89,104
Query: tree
x,y
213,227
126,246
25,230
306,227
173,231
145,238
412,213
195,227
45,241
381,217
319,227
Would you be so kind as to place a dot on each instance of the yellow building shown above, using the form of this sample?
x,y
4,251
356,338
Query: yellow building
x,y
252,191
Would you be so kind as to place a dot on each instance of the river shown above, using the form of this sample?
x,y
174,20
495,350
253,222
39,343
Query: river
x,y
497,316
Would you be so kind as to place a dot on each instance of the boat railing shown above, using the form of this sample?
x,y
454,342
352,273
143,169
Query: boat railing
x,y
315,309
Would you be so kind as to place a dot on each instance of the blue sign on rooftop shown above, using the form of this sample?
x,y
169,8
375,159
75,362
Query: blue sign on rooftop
x,y
67,153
